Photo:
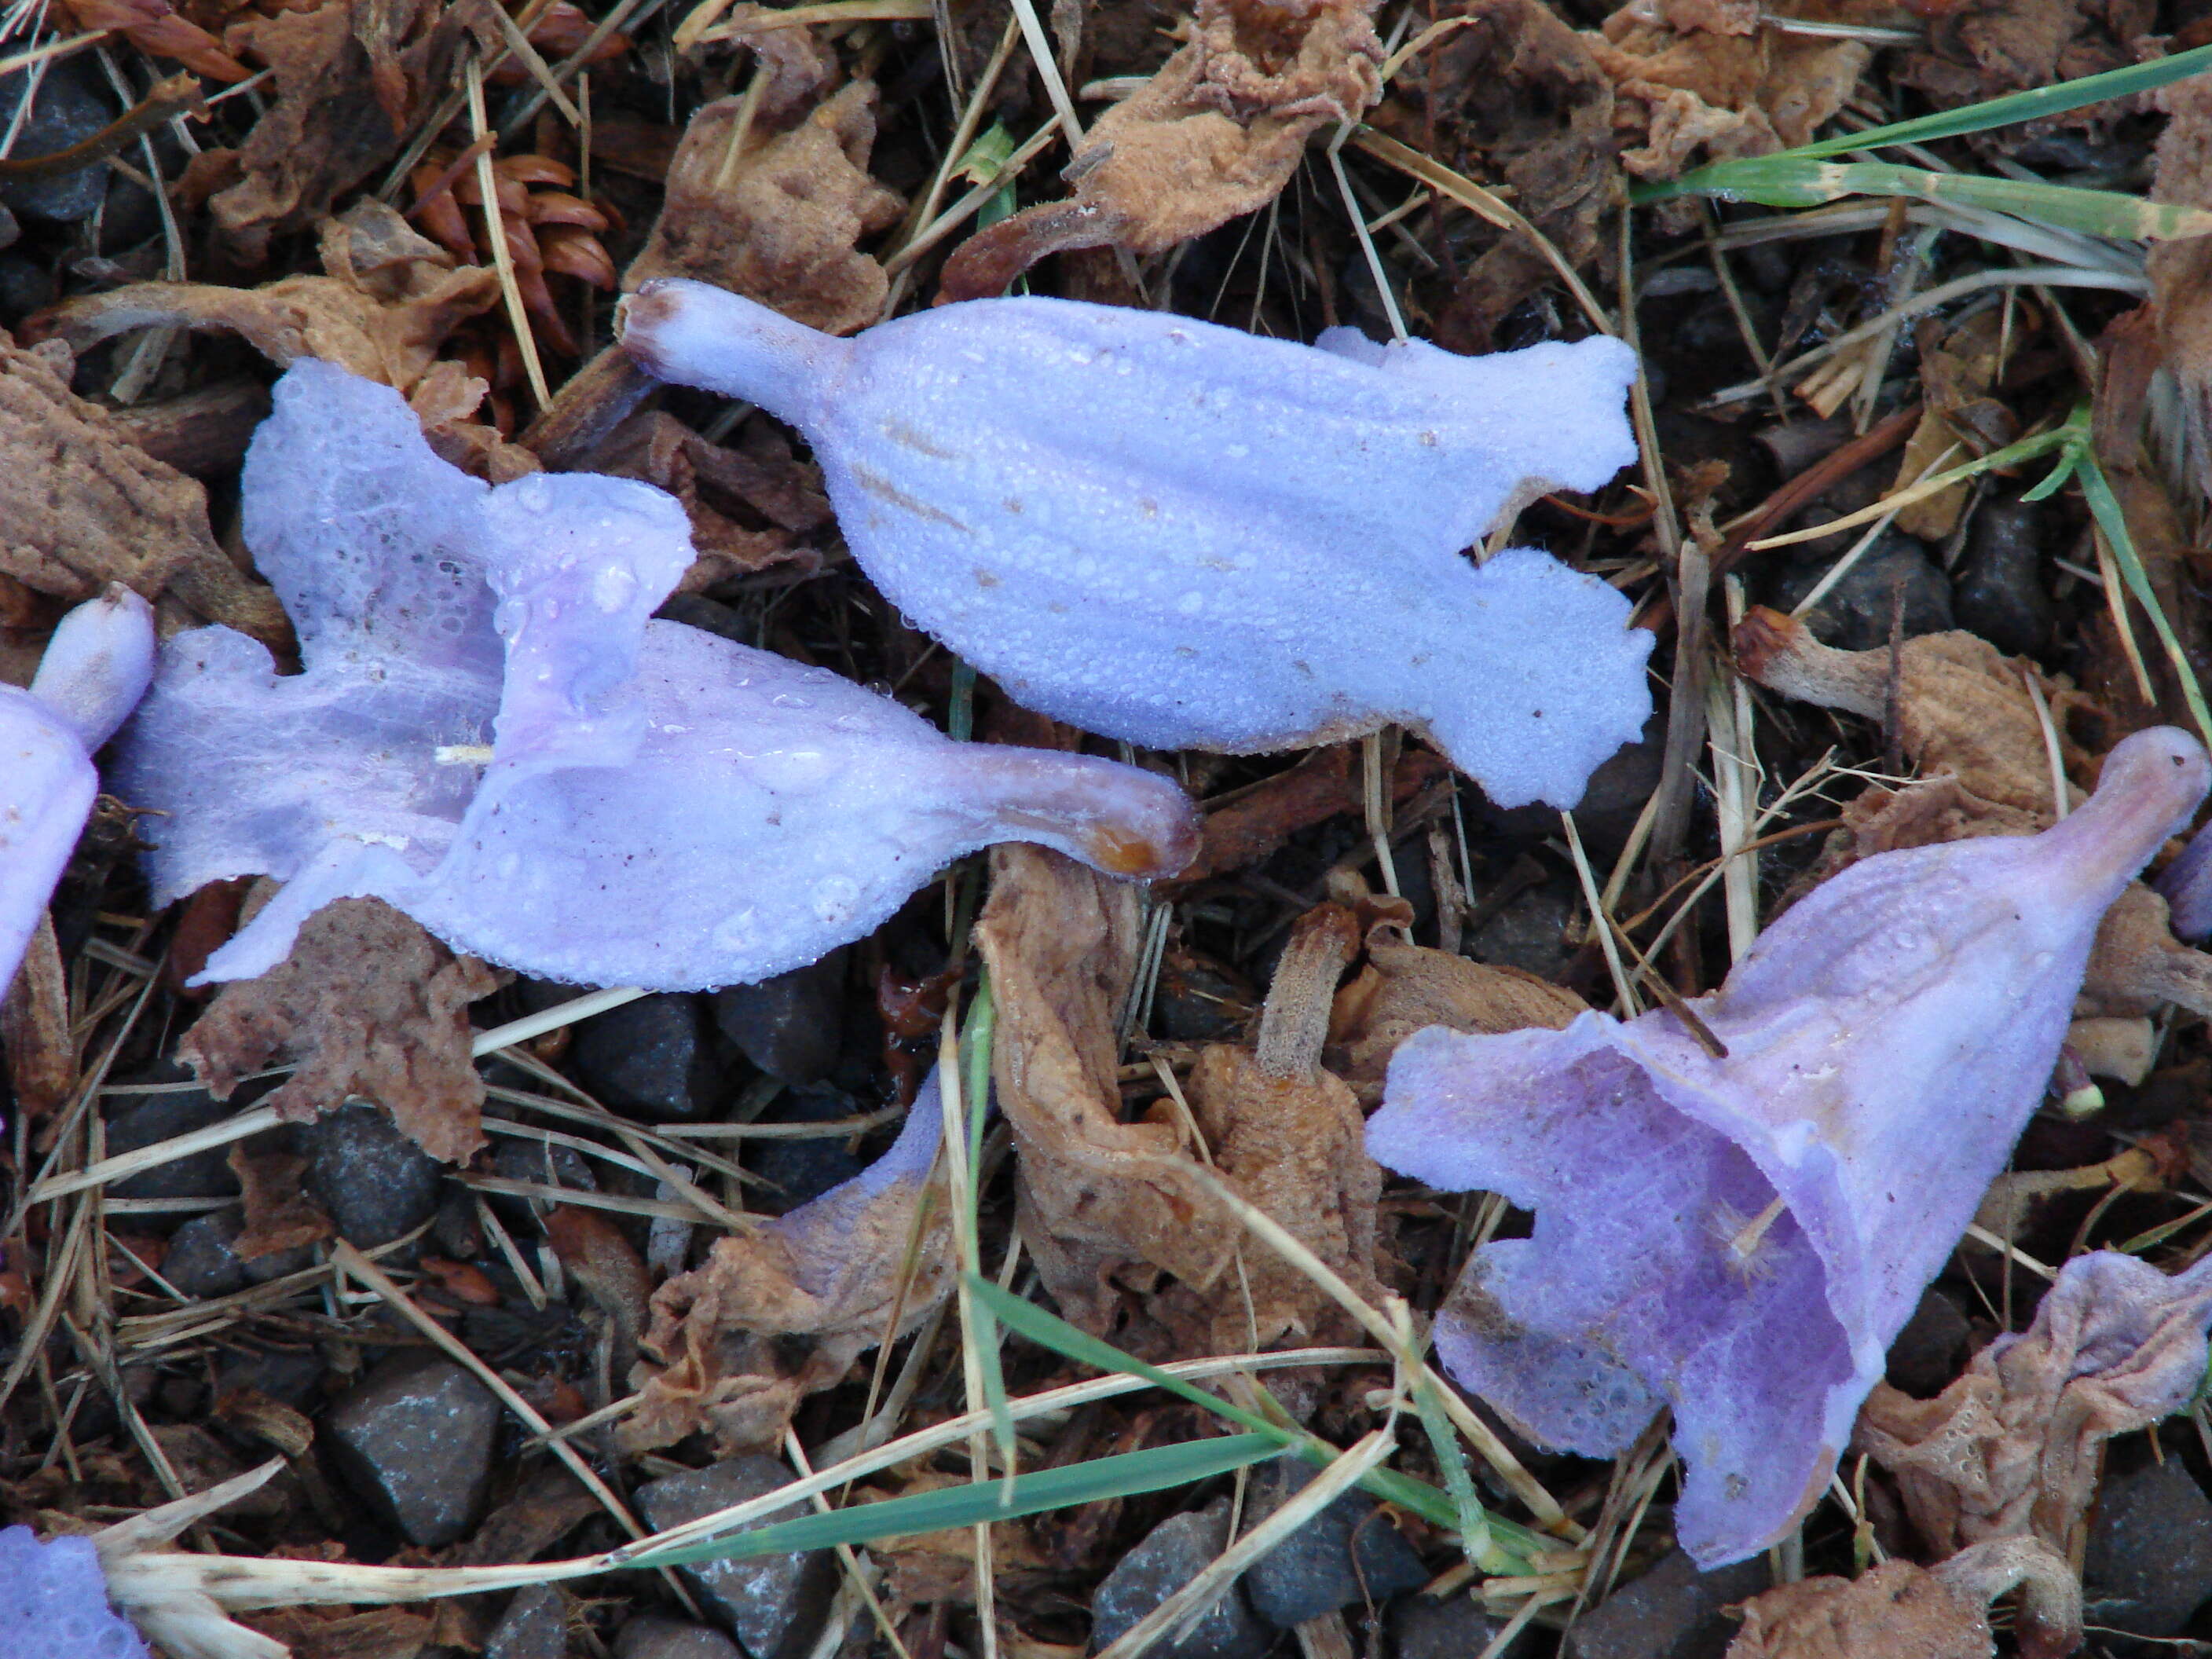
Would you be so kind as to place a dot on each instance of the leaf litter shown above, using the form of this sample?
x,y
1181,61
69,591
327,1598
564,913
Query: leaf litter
x,y
629,1283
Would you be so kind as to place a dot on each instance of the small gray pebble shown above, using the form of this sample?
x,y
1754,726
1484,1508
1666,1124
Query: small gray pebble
x,y
2148,1566
1673,1612
414,1438
1172,1554
651,1637
774,1603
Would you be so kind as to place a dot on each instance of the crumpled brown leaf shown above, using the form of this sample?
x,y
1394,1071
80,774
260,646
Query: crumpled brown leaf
x,y
385,303
279,1214
2181,271
1254,822
781,224
351,79
1983,49
601,1259
82,505
1698,87
34,1028
721,486
1514,97
1898,1610
1095,1197
1405,988
1217,132
722,1331
1958,366
2014,1446
367,1004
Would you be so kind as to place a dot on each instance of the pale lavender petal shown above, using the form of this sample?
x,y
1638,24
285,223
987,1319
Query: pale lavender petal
x,y
1190,537
822,1232
2187,885
1886,1040
493,736
53,1602
98,664
47,784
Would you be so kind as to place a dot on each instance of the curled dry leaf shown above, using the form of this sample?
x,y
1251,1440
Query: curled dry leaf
x,y
2181,271
351,78
1094,1196
1689,93
779,221
82,505
386,302
2013,1447
1255,822
1958,368
279,1214
367,1004
154,27
1216,132
1515,95
861,1264
1901,1611
34,1028
599,1257
1404,987
1289,1137
726,493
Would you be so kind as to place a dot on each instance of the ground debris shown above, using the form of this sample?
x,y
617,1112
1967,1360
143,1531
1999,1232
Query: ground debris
x,y
367,1004
1903,1611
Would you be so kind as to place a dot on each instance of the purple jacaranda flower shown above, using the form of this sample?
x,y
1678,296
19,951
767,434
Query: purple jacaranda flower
x,y
1193,537
94,671
53,1598
1740,1236
493,735
2186,885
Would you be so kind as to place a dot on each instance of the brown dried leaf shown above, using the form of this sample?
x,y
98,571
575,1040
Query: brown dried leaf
x,y
2013,1447
612,1273
714,483
1255,822
34,1028
82,505
722,1328
1094,1195
2181,271
1405,988
1957,369
1295,1148
386,303
1517,96
1900,1611
279,1214
366,1005
351,80
781,223
329,1633
1216,132
1690,96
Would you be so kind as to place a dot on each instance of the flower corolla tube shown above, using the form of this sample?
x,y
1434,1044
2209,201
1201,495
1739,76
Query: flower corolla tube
x,y
493,735
1740,1236
1192,537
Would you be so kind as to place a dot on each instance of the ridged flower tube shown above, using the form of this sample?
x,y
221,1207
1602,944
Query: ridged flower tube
x,y
1740,1236
94,671
493,735
1192,537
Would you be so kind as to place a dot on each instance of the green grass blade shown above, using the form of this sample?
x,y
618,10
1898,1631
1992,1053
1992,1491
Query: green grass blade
x,y
1795,179
2105,507
1122,1475
1510,1544
976,1100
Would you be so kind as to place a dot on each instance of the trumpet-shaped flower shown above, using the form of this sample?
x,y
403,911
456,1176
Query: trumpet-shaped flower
x,y
1192,537
493,736
94,671
1740,1236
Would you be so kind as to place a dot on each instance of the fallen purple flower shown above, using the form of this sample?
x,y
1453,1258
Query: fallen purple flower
x,y
2186,886
492,735
53,1598
1740,1236
1271,531
94,671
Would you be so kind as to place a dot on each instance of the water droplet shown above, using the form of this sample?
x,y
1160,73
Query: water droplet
x,y
854,723
791,699
1191,603
835,899
533,494
612,588
737,930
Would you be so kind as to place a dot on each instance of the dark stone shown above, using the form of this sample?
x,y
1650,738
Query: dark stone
x,y
200,1261
774,1604
25,286
1173,1553
2149,1562
1855,614
654,1058
372,1181
292,1376
9,230
710,615
541,1163
129,215
1529,933
1198,1001
69,104
1931,1349
1452,1627
792,1026
654,1637
534,1626
1673,1612
146,1120
414,1438
1348,1553
807,1168
2000,591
